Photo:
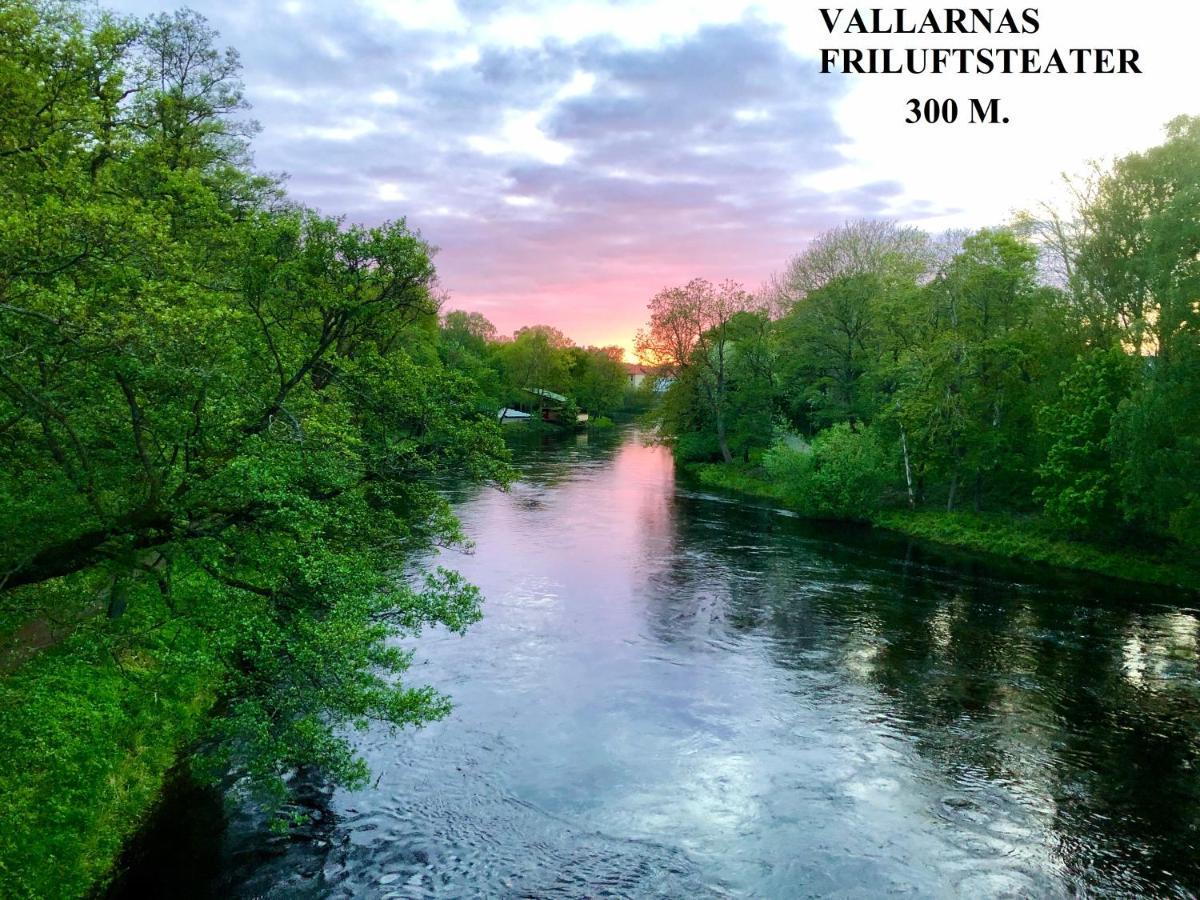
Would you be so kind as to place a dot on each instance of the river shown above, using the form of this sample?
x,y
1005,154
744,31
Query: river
x,y
674,693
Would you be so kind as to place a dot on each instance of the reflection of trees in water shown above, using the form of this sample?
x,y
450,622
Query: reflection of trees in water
x,y
546,458
543,458
1080,704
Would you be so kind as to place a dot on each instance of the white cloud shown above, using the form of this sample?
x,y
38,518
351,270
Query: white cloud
x,y
390,193
344,131
385,97
522,136
422,15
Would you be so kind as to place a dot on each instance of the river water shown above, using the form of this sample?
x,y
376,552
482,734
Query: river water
x,y
677,694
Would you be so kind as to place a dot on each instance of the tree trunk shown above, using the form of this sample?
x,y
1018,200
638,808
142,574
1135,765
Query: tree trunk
x,y
953,488
721,440
907,469
978,489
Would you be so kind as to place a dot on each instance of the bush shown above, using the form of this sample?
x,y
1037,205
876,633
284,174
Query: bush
x,y
843,476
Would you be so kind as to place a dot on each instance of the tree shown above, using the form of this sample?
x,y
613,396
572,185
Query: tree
x,y
831,344
1141,252
1060,235
596,377
965,385
841,476
536,357
689,335
751,395
1079,482
216,409
468,330
465,345
1157,445
866,247
1142,259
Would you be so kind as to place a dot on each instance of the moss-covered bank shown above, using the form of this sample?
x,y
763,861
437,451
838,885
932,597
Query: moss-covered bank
x,y
1018,538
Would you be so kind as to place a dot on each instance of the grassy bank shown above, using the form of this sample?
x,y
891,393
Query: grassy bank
x,y
1019,538
89,729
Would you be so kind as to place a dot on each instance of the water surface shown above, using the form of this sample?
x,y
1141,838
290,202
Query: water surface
x,y
676,694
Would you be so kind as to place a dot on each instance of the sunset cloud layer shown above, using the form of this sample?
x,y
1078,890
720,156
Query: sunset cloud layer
x,y
568,159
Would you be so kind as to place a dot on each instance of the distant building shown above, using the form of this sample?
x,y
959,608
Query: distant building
x,y
636,373
508,414
550,407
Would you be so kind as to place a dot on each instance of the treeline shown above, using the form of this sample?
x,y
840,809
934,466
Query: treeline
x,y
223,417
1051,367
537,357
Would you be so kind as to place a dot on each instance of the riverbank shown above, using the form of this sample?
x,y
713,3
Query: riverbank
x,y
89,731
1025,539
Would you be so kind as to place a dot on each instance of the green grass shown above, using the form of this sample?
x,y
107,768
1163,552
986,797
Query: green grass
x,y
1025,538
89,730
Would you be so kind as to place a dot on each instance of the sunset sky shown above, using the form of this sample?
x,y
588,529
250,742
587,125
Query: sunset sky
x,y
572,158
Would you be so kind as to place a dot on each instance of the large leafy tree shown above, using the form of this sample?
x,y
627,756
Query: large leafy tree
x,y
597,378
961,392
830,345
1142,252
215,407
1142,256
535,359
689,338
863,248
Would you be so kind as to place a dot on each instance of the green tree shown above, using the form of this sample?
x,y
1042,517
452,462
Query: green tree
x,y
961,394
536,358
466,345
215,407
597,378
1142,253
868,248
689,339
1142,259
1079,483
1157,440
751,415
829,351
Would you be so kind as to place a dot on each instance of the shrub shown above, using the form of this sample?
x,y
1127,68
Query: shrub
x,y
843,476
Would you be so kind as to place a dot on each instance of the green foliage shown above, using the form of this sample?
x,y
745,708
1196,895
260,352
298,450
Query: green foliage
x,y
591,378
696,447
535,358
1028,539
842,476
596,378
1157,441
223,418
832,343
693,338
88,731
1139,270
986,386
1079,479
749,408
1139,263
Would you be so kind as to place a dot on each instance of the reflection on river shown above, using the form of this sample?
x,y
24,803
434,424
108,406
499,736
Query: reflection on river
x,y
675,694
